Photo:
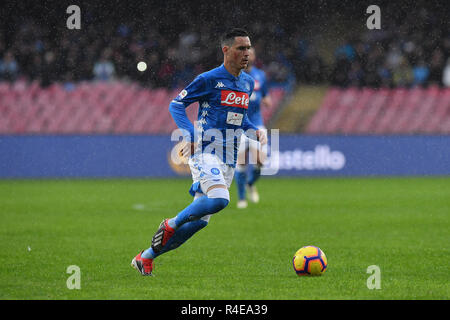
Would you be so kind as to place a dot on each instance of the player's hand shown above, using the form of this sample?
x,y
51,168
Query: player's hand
x,y
262,137
187,149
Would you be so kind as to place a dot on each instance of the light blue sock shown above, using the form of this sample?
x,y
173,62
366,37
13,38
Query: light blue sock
x,y
254,175
148,254
241,178
171,223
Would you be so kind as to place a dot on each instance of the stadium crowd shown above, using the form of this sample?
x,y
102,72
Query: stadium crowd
x,y
411,51
108,53
109,46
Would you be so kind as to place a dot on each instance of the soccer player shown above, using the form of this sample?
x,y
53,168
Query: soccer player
x,y
223,95
259,96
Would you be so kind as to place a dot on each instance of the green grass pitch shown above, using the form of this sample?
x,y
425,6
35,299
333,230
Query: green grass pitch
x,y
399,224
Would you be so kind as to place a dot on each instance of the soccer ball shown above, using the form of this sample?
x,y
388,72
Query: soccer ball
x,y
309,261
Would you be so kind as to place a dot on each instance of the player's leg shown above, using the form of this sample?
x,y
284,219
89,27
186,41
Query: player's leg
x,y
254,175
257,157
188,222
241,181
181,234
241,173
143,262
150,253
214,178
174,232
217,198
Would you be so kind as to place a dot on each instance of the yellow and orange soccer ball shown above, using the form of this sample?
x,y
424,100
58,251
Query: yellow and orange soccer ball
x,y
309,261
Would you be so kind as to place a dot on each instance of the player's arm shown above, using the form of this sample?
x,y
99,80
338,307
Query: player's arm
x,y
178,112
177,108
252,131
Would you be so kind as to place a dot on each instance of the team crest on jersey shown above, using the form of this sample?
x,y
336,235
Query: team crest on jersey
x,y
234,99
183,94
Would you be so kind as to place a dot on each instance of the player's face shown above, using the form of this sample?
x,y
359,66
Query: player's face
x,y
238,54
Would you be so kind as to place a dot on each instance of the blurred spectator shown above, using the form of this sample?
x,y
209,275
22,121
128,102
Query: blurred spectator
x,y
47,69
8,67
356,74
339,76
402,74
394,57
410,49
2,43
436,67
420,72
385,76
104,69
345,52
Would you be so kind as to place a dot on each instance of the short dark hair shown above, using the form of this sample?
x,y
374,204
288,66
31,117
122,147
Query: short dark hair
x,y
228,37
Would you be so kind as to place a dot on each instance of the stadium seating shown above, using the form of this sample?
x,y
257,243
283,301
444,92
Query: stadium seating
x,y
127,108
383,111
93,108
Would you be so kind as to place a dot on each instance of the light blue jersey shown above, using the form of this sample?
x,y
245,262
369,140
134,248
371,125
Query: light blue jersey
x,y
223,104
259,92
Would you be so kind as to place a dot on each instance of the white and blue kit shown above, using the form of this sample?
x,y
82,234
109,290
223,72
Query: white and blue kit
x,y
255,116
223,109
259,92
223,103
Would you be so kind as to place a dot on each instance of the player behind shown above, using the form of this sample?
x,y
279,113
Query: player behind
x,y
223,96
259,96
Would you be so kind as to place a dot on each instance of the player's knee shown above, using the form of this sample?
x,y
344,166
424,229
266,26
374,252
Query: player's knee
x,y
219,197
220,203
216,204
